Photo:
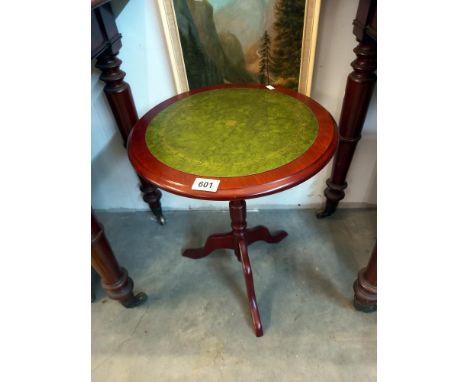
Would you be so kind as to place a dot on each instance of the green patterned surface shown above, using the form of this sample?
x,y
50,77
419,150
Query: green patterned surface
x,y
231,132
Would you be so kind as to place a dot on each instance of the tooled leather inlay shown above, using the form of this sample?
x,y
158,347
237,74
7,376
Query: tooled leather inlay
x,y
232,132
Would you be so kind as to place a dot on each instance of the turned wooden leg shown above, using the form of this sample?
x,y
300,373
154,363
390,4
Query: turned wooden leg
x,y
119,96
238,213
94,279
114,278
365,286
152,196
359,88
118,92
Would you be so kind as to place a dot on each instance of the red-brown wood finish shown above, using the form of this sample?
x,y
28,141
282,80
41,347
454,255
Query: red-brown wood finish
x,y
238,240
114,278
236,189
359,88
241,187
365,286
106,43
118,92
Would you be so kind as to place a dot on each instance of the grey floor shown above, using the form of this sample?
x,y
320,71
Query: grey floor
x,y
196,326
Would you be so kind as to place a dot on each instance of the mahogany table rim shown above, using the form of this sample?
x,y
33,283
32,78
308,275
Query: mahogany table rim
x,y
236,187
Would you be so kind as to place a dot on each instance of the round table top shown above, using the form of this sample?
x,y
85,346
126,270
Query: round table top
x,y
254,140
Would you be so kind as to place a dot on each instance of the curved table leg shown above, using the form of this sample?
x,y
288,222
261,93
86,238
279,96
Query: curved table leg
x,y
238,212
249,285
238,240
262,233
216,241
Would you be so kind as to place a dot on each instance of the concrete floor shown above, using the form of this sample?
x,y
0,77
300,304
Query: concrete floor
x,y
196,325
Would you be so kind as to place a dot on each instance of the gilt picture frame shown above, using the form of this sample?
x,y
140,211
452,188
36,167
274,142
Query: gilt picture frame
x,y
172,36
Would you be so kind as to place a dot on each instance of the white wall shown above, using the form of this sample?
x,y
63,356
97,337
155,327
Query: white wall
x,y
114,183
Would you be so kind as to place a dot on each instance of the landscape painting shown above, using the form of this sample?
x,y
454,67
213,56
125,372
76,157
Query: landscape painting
x,y
232,41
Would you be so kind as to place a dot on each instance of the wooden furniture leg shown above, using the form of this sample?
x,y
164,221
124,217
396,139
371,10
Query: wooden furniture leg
x,y
94,279
356,100
106,43
117,91
358,93
238,213
365,286
238,240
114,278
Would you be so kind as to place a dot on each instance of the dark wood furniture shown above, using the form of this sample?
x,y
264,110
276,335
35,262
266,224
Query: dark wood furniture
x,y
359,88
105,46
114,278
365,286
233,188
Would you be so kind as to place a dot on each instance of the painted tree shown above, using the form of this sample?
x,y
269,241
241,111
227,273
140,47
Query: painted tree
x,y
288,25
194,58
265,59
201,70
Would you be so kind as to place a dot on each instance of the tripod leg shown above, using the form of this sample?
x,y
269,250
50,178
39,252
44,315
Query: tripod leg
x,y
249,284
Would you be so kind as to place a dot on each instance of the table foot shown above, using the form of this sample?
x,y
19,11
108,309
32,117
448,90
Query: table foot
x,y
158,214
365,286
136,300
249,285
327,211
261,233
365,295
216,241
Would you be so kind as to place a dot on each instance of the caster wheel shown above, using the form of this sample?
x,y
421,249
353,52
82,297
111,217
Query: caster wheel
x,y
137,300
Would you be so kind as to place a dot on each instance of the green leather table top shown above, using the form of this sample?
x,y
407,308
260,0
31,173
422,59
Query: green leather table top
x,y
231,132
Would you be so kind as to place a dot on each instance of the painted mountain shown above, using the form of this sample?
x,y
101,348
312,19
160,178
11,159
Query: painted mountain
x,y
226,41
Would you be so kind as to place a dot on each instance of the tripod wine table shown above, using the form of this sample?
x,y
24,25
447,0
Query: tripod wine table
x,y
231,143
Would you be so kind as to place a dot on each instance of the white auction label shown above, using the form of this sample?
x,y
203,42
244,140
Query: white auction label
x,y
210,185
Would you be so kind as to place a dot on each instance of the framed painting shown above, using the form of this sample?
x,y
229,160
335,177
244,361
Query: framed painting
x,y
236,41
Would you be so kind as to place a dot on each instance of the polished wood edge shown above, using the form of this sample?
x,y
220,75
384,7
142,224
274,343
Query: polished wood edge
x,y
241,187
